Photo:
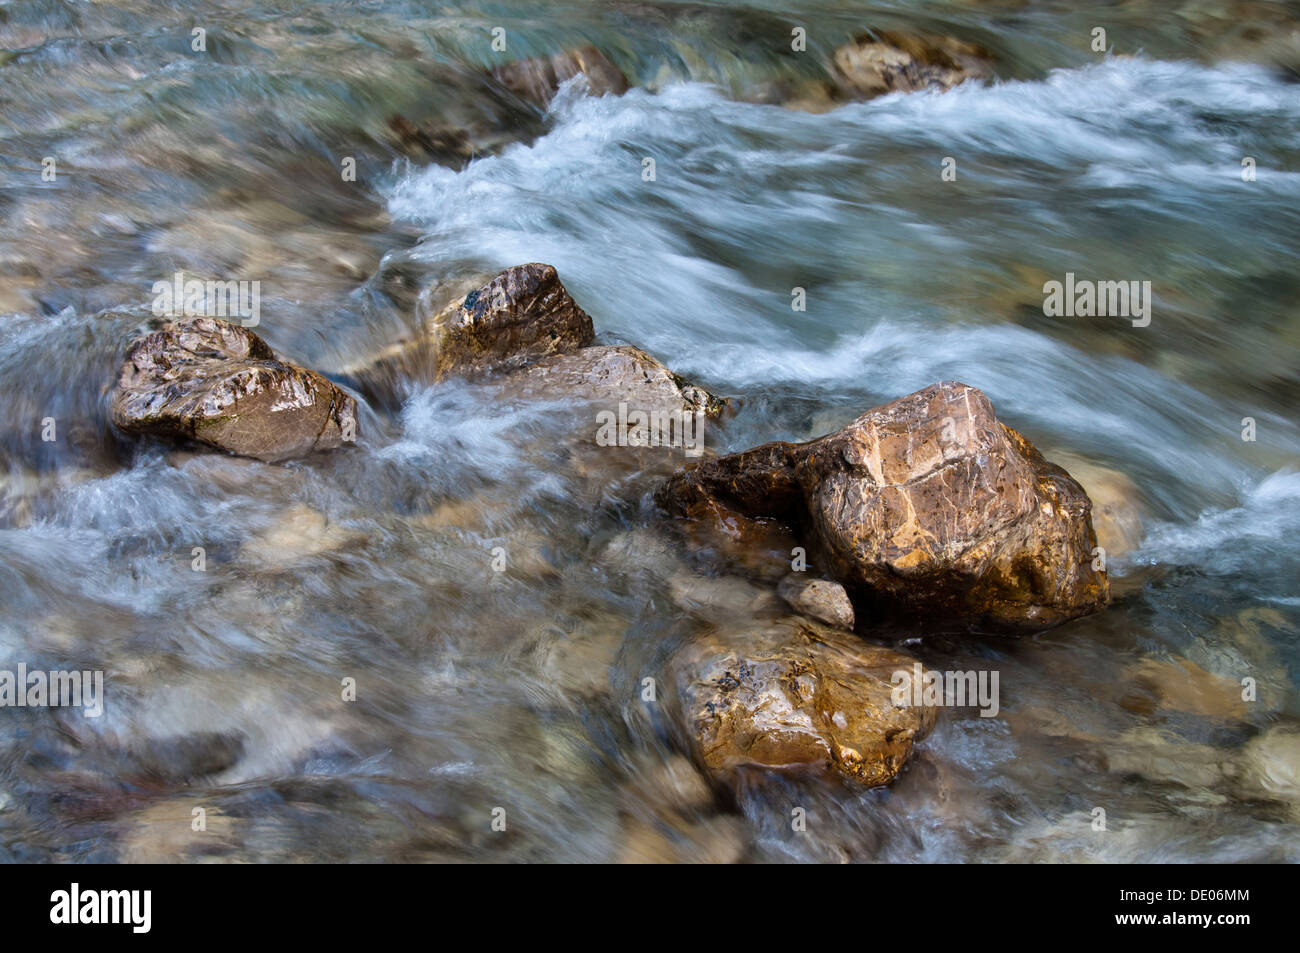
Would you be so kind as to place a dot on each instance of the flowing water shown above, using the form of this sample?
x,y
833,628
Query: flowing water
x,y
522,689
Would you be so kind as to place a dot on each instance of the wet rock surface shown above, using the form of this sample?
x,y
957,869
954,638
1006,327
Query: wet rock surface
x,y
927,504
1117,510
300,532
220,384
819,599
522,315
890,61
613,374
799,695
1272,766
538,79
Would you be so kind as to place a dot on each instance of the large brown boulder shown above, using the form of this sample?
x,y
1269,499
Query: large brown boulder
x,y
797,695
927,506
898,62
537,80
220,384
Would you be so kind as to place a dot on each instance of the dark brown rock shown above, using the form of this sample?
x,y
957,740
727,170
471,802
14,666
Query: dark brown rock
x,y
220,384
797,695
537,80
522,315
928,506
761,547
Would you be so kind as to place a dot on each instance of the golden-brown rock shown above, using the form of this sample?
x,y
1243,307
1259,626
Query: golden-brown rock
x,y
927,505
221,384
796,694
896,62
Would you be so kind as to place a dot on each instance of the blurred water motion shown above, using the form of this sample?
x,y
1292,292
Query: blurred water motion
x,y
521,689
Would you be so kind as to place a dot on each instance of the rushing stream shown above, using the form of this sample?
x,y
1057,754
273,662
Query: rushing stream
x,y
522,689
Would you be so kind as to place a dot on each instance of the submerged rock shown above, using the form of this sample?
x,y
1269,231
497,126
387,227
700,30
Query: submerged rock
x,y
577,659
895,62
298,533
718,840
668,817
926,505
538,79
1116,503
796,694
804,94
1180,685
19,284
641,553
727,597
1162,757
456,114
222,385
1245,31
759,547
672,787
162,832
24,491
1272,766
818,599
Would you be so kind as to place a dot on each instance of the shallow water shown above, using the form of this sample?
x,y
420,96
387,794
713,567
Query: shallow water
x,y
521,689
